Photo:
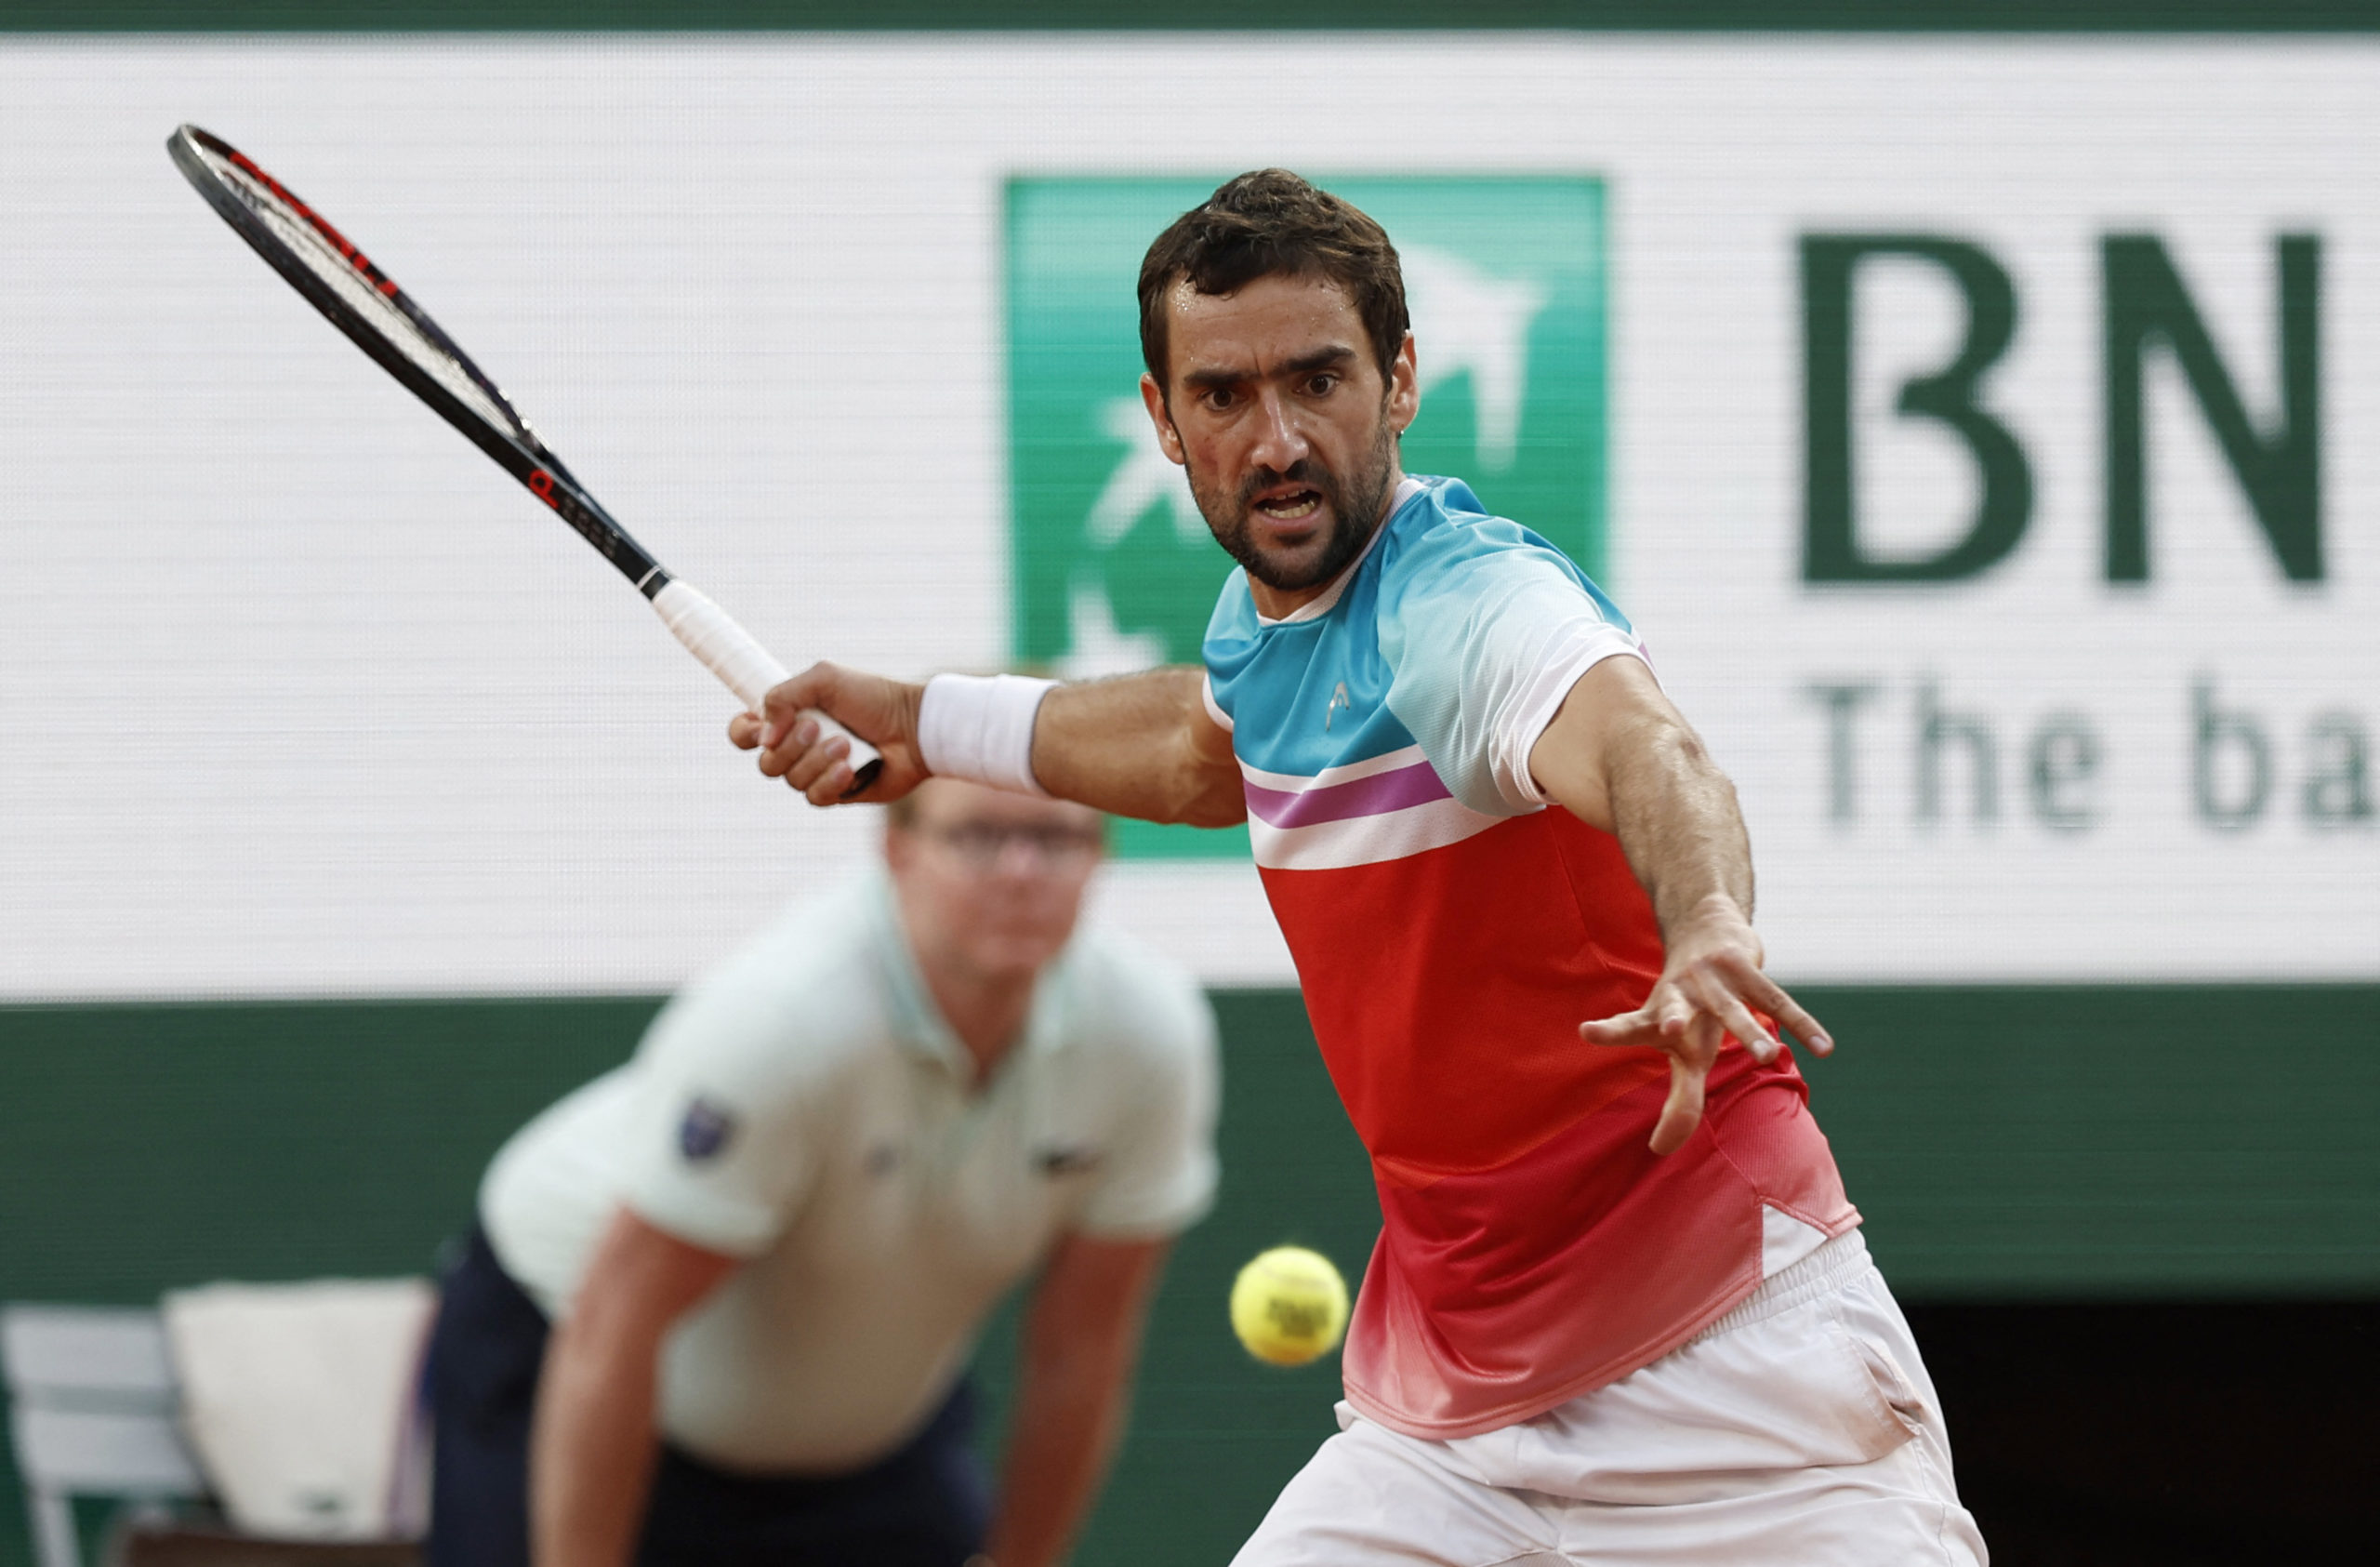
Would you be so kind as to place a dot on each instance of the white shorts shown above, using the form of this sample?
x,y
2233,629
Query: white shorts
x,y
1801,1428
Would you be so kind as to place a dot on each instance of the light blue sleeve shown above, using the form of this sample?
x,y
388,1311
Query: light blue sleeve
x,y
1485,627
720,1145
1160,1175
1150,1041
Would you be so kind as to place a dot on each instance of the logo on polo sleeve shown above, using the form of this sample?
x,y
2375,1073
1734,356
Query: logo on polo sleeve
x,y
1112,565
705,1131
1066,1159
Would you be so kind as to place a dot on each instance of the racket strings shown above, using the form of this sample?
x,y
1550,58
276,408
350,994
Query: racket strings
x,y
390,319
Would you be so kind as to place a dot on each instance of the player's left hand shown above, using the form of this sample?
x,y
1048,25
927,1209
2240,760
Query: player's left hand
x,y
1710,988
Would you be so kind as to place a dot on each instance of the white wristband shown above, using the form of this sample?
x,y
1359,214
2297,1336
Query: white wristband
x,y
980,727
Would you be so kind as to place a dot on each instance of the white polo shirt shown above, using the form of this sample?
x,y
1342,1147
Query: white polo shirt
x,y
804,1107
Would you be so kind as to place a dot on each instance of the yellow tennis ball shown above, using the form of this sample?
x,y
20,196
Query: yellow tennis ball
x,y
1289,1306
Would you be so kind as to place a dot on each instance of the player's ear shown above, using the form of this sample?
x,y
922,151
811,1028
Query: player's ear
x,y
1404,386
1168,439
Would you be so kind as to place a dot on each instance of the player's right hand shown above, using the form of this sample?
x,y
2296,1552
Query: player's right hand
x,y
1712,987
883,713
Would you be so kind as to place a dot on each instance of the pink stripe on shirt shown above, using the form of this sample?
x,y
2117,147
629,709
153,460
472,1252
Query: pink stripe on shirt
x,y
1373,796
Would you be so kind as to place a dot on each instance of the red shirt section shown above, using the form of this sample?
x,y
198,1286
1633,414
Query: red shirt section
x,y
1446,987
1533,1247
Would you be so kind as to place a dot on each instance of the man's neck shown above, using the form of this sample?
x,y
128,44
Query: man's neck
x,y
986,1011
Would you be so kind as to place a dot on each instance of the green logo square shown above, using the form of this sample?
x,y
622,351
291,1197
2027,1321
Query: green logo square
x,y
1112,569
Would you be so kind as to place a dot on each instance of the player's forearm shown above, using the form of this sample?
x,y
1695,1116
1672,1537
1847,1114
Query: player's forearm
x,y
1618,756
591,1449
1139,745
1070,1415
1675,815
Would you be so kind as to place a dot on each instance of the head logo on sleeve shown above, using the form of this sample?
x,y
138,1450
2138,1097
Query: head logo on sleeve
x,y
1112,566
705,1131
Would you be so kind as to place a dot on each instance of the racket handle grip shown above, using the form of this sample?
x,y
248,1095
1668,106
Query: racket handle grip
x,y
744,665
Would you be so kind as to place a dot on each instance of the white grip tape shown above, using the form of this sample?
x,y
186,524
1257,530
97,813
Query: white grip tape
x,y
742,664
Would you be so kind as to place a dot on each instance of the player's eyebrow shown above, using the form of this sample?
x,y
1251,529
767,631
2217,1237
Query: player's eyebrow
x,y
1321,359
1305,364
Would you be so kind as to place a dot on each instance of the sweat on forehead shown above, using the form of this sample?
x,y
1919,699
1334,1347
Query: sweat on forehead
x,y
1213,334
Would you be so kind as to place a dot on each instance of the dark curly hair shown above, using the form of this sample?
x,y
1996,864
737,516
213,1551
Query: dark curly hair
x,y
1269,223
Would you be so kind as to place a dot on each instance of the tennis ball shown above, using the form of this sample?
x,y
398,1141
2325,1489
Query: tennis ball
x,y
1289,1306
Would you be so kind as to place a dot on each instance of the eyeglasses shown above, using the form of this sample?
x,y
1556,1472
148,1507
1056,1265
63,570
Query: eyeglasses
x,y
981,846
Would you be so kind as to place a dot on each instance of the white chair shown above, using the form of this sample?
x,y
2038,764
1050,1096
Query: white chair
x,y
92,1414
302,1402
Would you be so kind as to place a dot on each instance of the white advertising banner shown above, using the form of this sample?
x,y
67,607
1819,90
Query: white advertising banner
x,y
1978,431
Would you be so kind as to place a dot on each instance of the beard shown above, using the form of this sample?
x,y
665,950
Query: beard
x,y
1355,504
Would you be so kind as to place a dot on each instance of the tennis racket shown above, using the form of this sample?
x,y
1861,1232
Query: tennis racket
x,y
367,304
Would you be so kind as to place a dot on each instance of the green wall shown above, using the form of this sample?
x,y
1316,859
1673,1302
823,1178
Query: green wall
x,y
2054,1143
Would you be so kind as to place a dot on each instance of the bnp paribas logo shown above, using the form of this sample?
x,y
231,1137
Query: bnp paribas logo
x,y
1113,569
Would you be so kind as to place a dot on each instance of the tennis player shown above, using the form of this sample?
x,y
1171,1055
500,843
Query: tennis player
x,y
1619,1310
721,1301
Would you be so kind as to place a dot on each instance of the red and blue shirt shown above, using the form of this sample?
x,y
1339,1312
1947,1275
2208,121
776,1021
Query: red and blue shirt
x,y
1451,928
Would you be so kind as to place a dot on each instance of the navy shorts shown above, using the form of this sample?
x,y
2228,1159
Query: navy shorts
x,y
925,1505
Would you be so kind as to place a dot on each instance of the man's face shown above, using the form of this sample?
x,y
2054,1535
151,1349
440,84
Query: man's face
x,y
1278,410
988,881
